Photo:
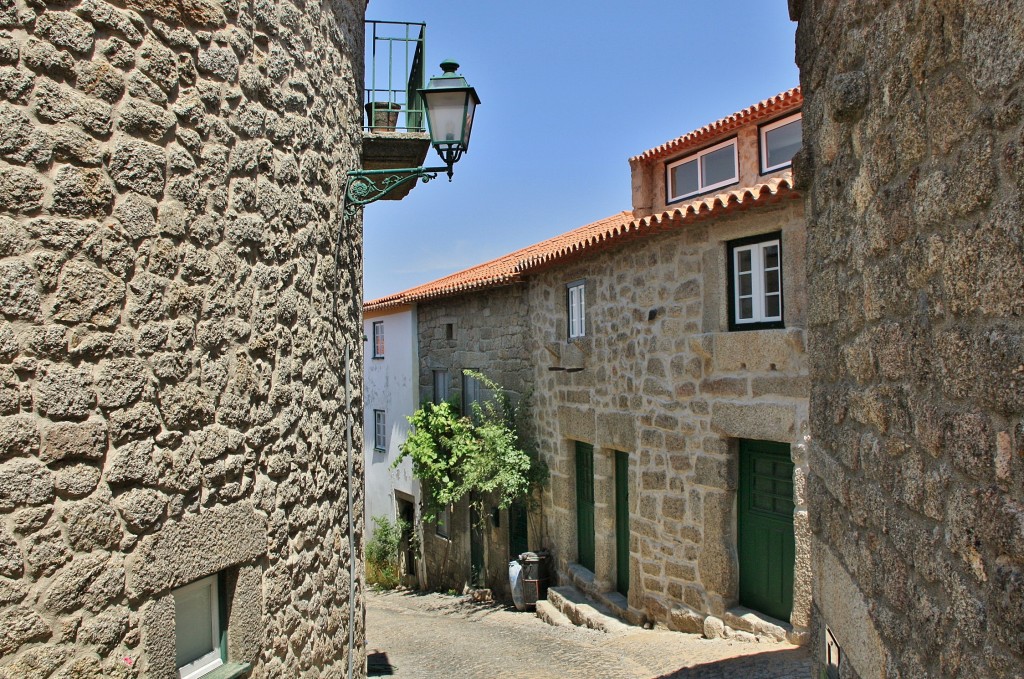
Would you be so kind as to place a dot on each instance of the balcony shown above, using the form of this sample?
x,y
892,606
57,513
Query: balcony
x,y
394,133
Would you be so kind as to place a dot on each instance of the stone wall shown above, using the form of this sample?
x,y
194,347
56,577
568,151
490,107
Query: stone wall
x,y
914,166
664,381
487,334
171,383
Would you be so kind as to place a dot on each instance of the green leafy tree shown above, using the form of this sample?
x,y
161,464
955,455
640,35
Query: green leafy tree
x,y
456,456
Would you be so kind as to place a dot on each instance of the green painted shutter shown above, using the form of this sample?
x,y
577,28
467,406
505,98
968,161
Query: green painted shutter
x,y
585,504
767,547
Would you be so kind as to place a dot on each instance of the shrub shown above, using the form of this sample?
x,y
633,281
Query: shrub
x,y
382,552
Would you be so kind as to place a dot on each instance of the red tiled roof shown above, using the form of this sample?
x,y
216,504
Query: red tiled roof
x,y
618,228
790,99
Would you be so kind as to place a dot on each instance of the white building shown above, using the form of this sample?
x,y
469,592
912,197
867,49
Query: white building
x,y
390,396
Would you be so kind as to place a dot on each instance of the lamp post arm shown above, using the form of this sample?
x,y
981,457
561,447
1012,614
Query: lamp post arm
x,y
367,186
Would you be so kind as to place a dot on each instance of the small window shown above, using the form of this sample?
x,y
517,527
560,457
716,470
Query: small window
x,y
472,391
380,431
449,331
197,628
780,141
577,309
755,282
710,169
442,386
378,339
444,518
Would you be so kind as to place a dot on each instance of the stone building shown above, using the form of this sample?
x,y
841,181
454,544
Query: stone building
x,y
914,170
175,486
459,330
663,350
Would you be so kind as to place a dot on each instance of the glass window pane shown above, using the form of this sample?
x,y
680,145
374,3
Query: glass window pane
x,y
771,306
744,261
193,622
783,142
771,256
771,281
719,166
746,284
684,179
746,308
441,384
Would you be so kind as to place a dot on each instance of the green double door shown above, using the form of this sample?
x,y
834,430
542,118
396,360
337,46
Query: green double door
x,y
767,547
585,505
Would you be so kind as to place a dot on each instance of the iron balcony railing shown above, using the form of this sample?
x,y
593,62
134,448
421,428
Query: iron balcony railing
x,y
394,76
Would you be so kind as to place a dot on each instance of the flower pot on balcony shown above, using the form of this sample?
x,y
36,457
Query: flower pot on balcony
x,y
382,116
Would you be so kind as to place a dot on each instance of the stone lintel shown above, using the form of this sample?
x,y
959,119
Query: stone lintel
x,y
195,547
759,421
618,431
575,424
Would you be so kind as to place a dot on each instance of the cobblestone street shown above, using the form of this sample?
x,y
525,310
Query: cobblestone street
x,y
424,636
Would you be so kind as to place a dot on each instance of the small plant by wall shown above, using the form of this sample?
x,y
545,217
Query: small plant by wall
x,y
382,552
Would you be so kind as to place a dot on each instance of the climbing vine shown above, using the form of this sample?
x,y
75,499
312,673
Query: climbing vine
x,y
455,456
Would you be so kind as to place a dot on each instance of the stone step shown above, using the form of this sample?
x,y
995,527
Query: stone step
x,y
551,615
582,611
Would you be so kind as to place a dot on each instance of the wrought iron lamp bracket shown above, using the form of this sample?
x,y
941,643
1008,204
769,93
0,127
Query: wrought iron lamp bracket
x,y
367,186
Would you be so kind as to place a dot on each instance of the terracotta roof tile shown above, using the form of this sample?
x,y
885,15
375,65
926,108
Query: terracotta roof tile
x,y
585,240
790,99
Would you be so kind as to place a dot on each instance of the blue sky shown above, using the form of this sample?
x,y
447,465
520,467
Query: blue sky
x,y
569,91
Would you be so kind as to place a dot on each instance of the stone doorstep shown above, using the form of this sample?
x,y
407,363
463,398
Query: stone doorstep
x,y
551,615
582,578
583,611
617,603
762,626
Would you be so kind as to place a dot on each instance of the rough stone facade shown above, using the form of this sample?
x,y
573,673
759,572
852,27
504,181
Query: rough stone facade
x,y
675,392
483,332
914,168
172,383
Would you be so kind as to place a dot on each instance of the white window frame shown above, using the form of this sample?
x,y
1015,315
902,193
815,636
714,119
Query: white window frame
x,y
765,129
380,430
212,660
442,385
378,339
576,305
757,271
696,157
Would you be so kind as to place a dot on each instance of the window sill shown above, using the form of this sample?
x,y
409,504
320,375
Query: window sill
x,y
760,325
231,670
377,358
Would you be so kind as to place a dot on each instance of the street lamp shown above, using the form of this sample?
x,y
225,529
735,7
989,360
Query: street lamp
x,y
450,104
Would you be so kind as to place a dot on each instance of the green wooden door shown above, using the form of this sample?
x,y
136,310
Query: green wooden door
x,y
517,529
585,504
476,549
767,548
622,522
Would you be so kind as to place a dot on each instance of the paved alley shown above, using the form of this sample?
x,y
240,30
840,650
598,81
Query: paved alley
x,y
412,635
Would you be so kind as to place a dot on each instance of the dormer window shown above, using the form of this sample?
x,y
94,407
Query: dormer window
x,y
780,141
710,169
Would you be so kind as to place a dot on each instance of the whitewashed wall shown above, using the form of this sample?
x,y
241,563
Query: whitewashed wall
x,y
390,385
